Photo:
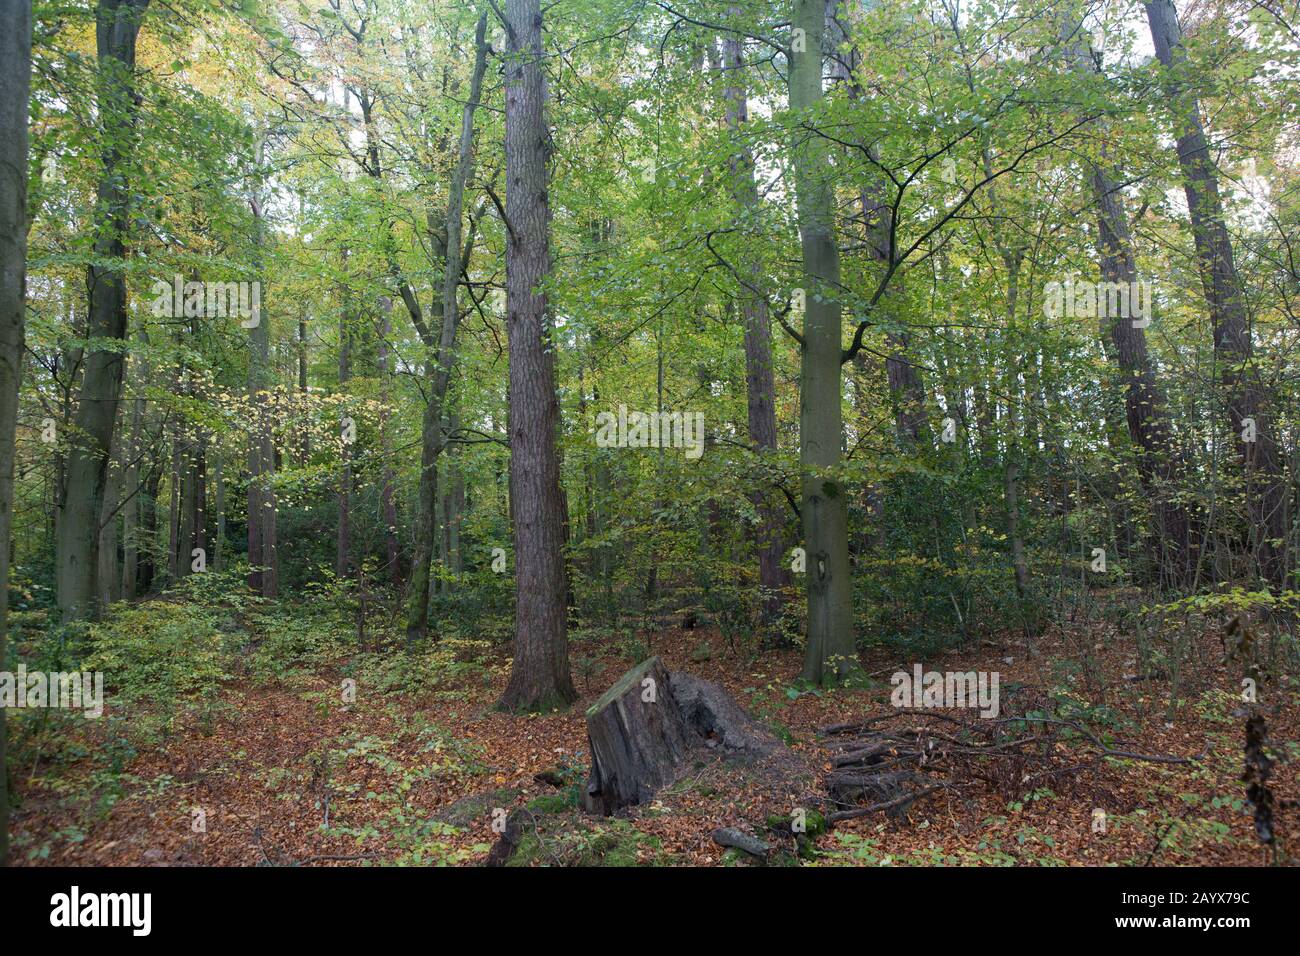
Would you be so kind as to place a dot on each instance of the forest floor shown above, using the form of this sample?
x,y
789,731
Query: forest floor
x,y
284,774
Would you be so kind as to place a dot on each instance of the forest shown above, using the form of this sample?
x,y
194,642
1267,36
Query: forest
x,y
661,433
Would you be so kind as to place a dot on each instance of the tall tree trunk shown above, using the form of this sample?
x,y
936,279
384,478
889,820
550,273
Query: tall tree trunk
x,y
131,509
442,355
197,497
343,564
760,386
387,499
539,676
106,575
263,549
830,648
15,79
1161,461
117,26
149,532
175,509
304,436
1266,492
219,540
1011,463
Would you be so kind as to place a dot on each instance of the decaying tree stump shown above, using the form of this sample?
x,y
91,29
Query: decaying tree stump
x,y
644,728
638,739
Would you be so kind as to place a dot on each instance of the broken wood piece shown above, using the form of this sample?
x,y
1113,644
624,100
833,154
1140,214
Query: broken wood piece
x,y
730,836
645,727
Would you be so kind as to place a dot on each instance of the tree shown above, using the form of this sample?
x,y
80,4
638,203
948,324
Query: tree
x,y
117,27
263,550
1161,461
15,80
442,353
1225,296
824,507
539,676
760,386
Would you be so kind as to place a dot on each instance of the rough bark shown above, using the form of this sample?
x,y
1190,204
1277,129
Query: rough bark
x,y
15,79
539,676
643,731
1161,461
830,647
117,26
1224,294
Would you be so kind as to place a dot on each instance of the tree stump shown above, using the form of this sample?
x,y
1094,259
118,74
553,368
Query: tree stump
x,y
639,739
645,728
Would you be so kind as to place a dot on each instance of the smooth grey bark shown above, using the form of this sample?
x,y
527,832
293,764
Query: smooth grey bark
x,y
1224,293
15,80
117,24
539,675
443,354
830,649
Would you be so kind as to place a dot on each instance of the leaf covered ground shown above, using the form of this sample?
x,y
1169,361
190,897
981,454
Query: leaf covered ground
x,y
287,767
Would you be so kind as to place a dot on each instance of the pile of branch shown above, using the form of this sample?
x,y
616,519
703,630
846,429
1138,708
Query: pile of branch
x,y
890,761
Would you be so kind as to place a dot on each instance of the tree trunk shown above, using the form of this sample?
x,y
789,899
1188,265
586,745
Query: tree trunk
x,y
1223,292
539,676
638,738
1161,461
647,727
15,79
343,564
760,387
219,540
107,575
149,532
830,649
135,476
304,438
442,354
117,26
387,500
263,551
